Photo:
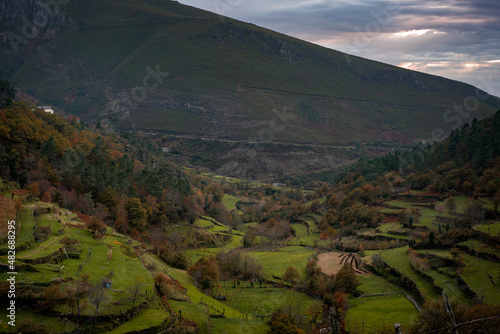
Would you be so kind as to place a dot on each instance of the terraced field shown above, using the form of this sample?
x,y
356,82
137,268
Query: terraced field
x,y
398,259
491,229
370,314
276,261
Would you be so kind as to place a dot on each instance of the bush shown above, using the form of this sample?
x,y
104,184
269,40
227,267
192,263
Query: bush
x,y
42,233
30,326
178,261
96,225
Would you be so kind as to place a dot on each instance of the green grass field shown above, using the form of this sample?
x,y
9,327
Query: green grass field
x,y
370,314
27,222
400,204
192,311
387,228
51,244
276,262
398,259
438,252
302,238
476,275
428,218
203,223
125,270
477,246
373,284
491,229
230,202
150,317
448,285
389,210
52,324
264,301
230,326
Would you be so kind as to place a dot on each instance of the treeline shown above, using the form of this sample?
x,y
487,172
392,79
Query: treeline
x,y
126,186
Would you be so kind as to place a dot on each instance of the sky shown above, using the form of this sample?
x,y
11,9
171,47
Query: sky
x,y
457,39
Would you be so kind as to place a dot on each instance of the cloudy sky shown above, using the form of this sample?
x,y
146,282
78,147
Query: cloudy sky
x,y
457,39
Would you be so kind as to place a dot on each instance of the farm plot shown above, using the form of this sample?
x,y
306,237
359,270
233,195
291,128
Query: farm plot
x,y
491,229
275,262
261,302
398,259
483,277
331,263
227,325
150,317
230,202
371,314
394,230
374,284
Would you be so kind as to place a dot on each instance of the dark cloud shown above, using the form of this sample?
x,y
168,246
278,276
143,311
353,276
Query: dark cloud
x,y
459,39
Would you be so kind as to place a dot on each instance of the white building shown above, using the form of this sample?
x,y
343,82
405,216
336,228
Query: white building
x,y
47,109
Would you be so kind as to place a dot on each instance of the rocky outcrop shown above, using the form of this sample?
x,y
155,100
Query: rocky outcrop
x,y
269,44
31,19
394,77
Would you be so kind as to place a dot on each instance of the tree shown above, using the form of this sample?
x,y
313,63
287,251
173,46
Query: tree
x,y
96,225
474,213
345,280
205,272
137,214
49,148
248,238
31,326
283,323
191,208
34,191
77,292
291,275
46,197
496,200
7,94
331,232
451,204
135,290
97,296
51,297
108,197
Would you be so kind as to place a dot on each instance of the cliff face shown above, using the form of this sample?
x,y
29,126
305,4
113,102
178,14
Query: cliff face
x,y
25,20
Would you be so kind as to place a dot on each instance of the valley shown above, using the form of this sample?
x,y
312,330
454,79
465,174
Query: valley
x,y
159,296
164,169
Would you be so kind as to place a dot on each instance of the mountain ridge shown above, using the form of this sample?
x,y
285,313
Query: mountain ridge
x,y
223,79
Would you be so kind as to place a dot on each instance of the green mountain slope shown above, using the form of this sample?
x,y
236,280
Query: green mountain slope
x,y
108,61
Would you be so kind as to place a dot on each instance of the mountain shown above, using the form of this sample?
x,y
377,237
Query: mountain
x,y
163,67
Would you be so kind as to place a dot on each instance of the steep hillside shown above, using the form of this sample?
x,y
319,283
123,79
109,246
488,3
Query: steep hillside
x,y
164,67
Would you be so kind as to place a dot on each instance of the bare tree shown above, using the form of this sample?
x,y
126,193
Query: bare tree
x,y
135,290
97,296
78,292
